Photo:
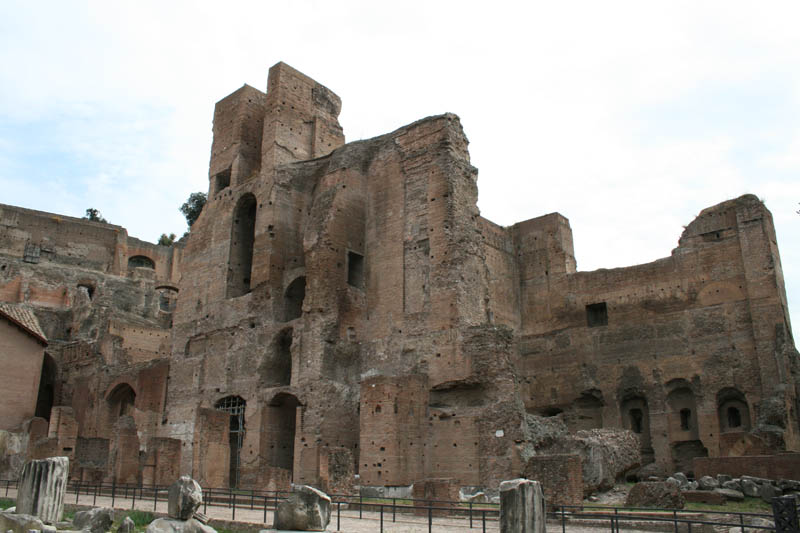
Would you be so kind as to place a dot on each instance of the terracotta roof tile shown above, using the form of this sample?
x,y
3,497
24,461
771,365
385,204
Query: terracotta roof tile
x,y
23,317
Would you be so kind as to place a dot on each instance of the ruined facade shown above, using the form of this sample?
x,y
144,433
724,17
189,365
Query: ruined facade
x,y
343,309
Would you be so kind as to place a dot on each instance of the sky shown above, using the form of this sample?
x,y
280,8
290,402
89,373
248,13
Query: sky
x,y
628,118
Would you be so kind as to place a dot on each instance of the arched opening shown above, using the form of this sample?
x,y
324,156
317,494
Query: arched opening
x,y
280,426
46,396
276,366
636,417
167,298
140,261
293,299
733,412
121,401
683,414
240,258
235,407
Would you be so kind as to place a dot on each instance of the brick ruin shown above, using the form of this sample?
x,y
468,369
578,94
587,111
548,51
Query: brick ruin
x,y
343,309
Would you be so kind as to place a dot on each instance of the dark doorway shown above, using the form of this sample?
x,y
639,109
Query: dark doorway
x,y
280,428
122,400
46,397
234,406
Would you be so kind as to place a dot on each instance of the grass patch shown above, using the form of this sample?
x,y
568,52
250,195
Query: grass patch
x,y
5,503
141,519
749,505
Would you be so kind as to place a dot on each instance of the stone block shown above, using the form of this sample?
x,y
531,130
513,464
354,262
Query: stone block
x,y
172,525
42,487
750,489
19,523
185,496
306,509
730,494
97,520
707,483
769,491
521,507
655,494
704,496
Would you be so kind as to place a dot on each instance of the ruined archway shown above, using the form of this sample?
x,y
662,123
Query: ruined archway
x,y
293,299
279,430
636,417
121,401
141,261
235,407
682,418
240,257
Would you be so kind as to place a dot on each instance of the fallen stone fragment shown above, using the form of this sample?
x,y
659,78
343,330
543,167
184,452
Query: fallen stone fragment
x,y
655,494
172,525
750,489
185,497
734,484
789,484
707,483
681,477
521,507
306,509
19,523
42,486
770,491
97,520
709,497
722,478
730,494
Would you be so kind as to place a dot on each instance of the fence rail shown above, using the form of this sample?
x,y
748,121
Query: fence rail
x,y
467,514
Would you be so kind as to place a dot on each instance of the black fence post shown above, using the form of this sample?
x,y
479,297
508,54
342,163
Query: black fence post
x,y
205,502
381,518
430,517
155,498
113,491
675,520
563,521
133,503
94,502
394,509
360,504
77,492
483,519
233,503
265,508
338,516
252,498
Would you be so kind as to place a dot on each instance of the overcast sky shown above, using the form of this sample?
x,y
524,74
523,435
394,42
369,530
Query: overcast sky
x,y
626,117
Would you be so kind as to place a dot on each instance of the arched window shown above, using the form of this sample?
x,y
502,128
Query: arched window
x,y
122,400
279,431
293,299
240,258
140,261
733,412
234,406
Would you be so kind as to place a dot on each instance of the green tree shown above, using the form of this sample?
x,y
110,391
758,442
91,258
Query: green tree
x,y
192,207
94,215
166,240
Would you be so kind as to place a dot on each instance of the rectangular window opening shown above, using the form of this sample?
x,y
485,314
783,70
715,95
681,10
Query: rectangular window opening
x,y
596,315
355,269
222,180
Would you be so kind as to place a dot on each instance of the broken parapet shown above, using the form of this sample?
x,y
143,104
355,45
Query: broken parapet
x,y
521,507
42,487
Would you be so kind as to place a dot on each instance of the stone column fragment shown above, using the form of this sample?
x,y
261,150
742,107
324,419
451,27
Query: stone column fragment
x,y
42,487
306,509
521,507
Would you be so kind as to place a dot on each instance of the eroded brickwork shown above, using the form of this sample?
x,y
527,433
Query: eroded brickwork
x,y
341,315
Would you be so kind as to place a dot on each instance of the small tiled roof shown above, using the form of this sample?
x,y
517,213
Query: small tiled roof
x,y
24,318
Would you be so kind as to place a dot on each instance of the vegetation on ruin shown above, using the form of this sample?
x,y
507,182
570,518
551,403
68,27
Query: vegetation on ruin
x,y
94,215
193,206
167,240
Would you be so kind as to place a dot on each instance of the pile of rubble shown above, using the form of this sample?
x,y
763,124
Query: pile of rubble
x,y
718,490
